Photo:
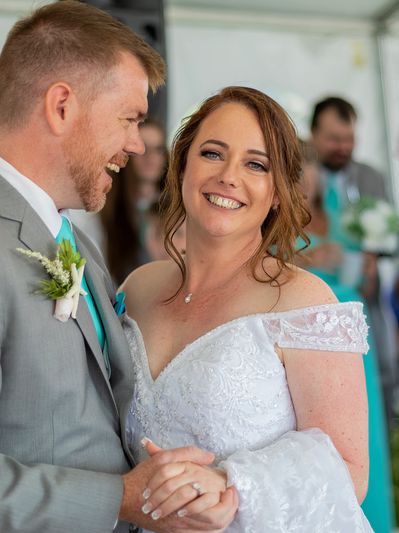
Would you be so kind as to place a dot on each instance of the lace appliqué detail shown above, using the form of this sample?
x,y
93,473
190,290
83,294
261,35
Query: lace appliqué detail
x,y
336,327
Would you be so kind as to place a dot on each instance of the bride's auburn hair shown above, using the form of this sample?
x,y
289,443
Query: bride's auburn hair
x,y
283,225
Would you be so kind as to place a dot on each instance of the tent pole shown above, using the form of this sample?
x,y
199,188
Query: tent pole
x,y
378,38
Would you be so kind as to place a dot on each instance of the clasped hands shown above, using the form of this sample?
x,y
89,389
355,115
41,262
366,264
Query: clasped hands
x,y
176,490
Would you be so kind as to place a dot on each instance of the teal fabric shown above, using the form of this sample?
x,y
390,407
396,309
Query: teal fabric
x,y
378,503
67,233
334,206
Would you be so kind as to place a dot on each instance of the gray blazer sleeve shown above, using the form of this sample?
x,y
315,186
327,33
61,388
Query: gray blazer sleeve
x,y
52,499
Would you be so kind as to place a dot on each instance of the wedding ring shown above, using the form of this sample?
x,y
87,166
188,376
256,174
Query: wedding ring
x,y
196,486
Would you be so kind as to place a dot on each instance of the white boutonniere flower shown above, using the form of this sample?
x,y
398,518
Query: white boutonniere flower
x,y
66,274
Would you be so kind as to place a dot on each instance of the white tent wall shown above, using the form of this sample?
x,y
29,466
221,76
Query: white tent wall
x,y
293,66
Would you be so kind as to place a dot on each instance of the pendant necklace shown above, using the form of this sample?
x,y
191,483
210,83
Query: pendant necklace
x,y
187,298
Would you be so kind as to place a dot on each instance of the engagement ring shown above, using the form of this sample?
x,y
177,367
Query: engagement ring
x,y
196,486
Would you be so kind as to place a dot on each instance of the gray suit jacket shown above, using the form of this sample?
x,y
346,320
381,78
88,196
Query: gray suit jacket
x,y
61,441
368,181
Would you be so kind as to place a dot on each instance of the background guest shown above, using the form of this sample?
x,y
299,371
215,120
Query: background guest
x,y
324,258
154,235
342,182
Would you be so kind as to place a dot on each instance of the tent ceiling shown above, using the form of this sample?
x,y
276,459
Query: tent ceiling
x,y
354,9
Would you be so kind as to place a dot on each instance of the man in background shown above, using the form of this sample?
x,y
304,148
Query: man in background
x,y
344,181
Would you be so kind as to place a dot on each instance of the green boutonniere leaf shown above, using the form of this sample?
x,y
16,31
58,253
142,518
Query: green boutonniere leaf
x,y
67,255
51,289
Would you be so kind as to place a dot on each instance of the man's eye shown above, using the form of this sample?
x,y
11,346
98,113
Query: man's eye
x,y
210,154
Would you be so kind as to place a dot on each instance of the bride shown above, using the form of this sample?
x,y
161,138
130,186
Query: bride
x,y
237,351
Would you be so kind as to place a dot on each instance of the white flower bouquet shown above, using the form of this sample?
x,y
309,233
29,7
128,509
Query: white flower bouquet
x,y
374,224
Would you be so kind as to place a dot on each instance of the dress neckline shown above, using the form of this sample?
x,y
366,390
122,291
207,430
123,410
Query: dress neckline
x,y
266,315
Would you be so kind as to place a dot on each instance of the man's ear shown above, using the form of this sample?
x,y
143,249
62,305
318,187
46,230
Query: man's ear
x,y
60,107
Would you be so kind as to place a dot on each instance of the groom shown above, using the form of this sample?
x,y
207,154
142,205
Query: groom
x,y
73,90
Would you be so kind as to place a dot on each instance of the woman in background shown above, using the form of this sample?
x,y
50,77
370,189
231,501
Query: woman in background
x,y
324,258
134,190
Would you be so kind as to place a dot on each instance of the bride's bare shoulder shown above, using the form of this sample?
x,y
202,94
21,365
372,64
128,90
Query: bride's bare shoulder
x,y
303,289
148,279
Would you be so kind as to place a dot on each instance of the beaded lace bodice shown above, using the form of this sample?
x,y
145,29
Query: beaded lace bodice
x,y
227,391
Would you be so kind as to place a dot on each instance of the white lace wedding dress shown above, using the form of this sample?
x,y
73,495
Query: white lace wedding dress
x,y
227,392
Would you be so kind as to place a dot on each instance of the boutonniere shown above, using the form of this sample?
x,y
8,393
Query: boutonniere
x,y
65,283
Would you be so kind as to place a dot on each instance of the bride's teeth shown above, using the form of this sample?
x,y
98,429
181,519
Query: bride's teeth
x,y
227,203
113,167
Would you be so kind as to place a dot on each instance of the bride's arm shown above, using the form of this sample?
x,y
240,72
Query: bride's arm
x,y
301,479
328,392
301,476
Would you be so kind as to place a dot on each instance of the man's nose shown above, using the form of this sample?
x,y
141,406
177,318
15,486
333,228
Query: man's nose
x,y
135,144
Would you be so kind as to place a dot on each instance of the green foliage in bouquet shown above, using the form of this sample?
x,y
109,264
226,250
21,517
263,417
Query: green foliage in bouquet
x,y
373,223
353,224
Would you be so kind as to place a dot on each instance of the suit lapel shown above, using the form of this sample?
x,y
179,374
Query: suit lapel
x,y
95,280
118,349
35,235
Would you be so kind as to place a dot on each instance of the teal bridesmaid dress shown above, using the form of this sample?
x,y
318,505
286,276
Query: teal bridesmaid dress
x,y
377,505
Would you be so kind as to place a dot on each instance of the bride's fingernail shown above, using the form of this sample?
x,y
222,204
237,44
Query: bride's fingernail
x,y
147,508
146,494
156,514
181,513
144,441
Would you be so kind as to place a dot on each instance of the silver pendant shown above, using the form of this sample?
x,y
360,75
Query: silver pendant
x,y
187,299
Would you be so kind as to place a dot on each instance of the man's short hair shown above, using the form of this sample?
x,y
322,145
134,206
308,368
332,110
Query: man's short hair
x,y
343,109
65,41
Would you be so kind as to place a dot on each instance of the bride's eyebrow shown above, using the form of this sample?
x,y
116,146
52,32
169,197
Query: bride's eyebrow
x,y
258,152
215,141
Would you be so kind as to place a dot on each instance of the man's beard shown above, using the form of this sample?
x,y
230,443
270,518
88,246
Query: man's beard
x,y
335,165
85,166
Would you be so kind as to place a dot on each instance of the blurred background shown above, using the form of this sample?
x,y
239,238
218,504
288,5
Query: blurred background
x,y
299,52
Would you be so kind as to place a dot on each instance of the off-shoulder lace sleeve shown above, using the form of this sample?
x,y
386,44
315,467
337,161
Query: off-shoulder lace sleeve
x,y
298,483
339,327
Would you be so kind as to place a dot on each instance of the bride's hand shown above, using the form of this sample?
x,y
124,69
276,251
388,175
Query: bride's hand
x,y
200,487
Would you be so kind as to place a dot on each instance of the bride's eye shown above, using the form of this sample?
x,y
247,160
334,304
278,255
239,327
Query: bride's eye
x,y
260,167
210,154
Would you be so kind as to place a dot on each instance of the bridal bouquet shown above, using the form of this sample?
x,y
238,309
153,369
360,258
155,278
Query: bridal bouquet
x,y
374,224
64,284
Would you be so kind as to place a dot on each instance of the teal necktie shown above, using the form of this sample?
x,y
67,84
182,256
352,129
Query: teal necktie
x,y
334,206
67,233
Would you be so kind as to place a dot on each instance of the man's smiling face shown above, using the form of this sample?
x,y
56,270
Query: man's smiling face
x,y
106,133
